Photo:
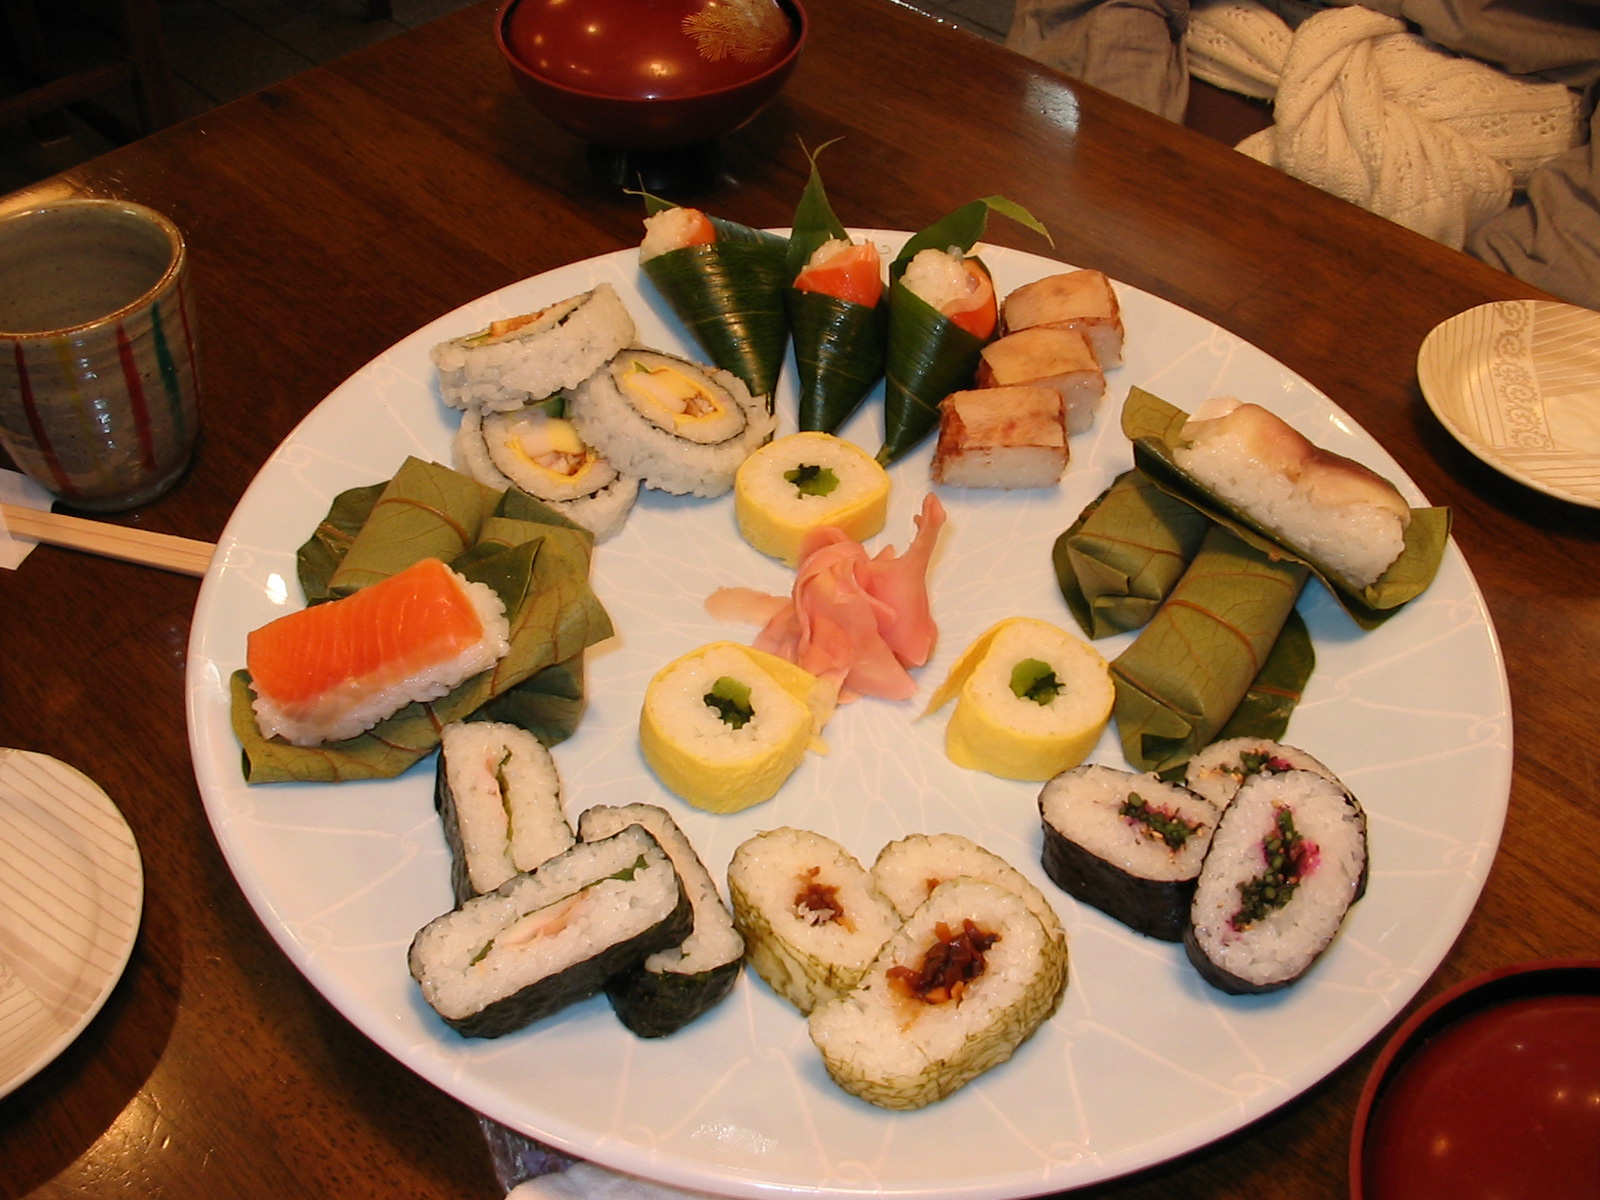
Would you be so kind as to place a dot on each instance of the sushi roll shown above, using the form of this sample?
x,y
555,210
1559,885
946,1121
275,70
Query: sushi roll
x,y
1001,437
725,725
1329,510
552,936
811,919
1080,300
672,423
1219,770
1048,356
332,670
498,795
803,481
1128,844
1031,701
1288,859
963,983
541,454
673,986
524,359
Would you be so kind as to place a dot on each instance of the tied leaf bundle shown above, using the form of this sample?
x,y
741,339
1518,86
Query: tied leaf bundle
x,y
729,295
839,343
929,355
536,561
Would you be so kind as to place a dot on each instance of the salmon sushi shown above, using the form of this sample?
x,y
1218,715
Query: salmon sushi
x,y
333,670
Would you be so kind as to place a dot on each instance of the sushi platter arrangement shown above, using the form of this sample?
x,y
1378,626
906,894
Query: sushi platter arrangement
x,y
1117,1030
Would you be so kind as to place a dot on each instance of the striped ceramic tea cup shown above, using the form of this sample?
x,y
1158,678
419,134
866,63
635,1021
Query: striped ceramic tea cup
x,y
98,375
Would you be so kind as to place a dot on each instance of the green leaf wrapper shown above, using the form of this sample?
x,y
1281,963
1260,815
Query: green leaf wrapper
x,y
1184,676
536,562
1156,428
1126,551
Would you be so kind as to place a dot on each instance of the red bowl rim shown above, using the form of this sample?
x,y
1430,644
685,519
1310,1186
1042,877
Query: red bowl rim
x,y
795,9
1441,1011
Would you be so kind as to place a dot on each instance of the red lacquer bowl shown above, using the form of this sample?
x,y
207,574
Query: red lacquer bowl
x,y
650,75
1492,1089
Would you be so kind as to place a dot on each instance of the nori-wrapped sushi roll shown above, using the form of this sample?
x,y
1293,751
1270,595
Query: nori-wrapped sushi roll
x,y
498,795
552,936
1287,861
725,282
674,986
1128,844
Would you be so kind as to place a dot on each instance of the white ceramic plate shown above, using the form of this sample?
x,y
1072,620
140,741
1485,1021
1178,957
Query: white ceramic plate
x,y
71,894
1142,1062
1517,382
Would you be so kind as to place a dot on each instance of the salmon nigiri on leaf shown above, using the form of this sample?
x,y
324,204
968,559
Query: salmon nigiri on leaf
x,y
837,316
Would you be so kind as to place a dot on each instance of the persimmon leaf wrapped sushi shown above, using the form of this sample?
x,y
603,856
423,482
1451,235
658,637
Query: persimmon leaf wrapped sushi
x,y
551,936
942,311
725,282
959,987
837,319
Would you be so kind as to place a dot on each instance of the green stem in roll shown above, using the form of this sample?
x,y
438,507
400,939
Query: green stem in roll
x,y
731,700
1034,680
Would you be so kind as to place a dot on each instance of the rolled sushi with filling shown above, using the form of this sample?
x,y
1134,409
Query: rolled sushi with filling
x,y
811,918
1288,859
551,936
540,452
676,985
802,482
675,424
498,795
958,988
528,358
1219,770
1127,844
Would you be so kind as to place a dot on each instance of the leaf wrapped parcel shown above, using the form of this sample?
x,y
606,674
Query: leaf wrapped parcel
x,y
1126,551
538,564
1156,427
1184,676
729,295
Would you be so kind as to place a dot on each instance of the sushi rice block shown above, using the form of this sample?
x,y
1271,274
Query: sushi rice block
x,y
1052,357
964,982
1002,437
330,671
1081,300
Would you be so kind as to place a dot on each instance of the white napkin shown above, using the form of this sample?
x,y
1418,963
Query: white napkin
x,y
18,489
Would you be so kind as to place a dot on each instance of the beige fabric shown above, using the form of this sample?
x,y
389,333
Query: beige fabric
x,y
1130,48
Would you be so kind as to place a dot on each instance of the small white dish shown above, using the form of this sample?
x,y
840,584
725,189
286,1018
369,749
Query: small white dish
x,y
1517,382
71,895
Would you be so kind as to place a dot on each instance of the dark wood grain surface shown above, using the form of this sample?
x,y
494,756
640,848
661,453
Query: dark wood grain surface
x,y
334,214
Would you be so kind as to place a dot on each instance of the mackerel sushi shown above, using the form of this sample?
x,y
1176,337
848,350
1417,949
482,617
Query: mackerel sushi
x,y
1287,861
498,795
677,425
674,986
811,919
552,936
1128,844
964,982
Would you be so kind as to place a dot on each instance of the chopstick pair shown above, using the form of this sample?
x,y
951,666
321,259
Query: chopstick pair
x,y
183,555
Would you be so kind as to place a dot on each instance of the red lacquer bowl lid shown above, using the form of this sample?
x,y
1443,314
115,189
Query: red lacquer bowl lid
x,y
1492,1089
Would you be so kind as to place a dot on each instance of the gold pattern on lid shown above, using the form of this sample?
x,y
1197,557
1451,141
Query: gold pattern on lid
x,y
748,30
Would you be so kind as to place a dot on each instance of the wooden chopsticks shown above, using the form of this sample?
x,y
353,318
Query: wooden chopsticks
x,y
183,555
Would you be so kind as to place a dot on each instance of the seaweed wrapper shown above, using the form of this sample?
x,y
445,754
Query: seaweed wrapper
x,y
1126,551
839,345
929,356
1186,674
539,569
1156,427
729,295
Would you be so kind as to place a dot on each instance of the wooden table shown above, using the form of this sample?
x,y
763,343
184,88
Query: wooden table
x,y
333,214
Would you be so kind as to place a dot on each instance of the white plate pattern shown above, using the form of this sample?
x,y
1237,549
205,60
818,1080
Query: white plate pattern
x,y
1143,1061
1517,382
71,894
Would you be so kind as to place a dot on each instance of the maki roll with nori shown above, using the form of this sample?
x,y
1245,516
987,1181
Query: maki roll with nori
x,y
552,936
677,425
1287,861
1126,843
964,982
1219,771
499,797
673,986
811,919
725,282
